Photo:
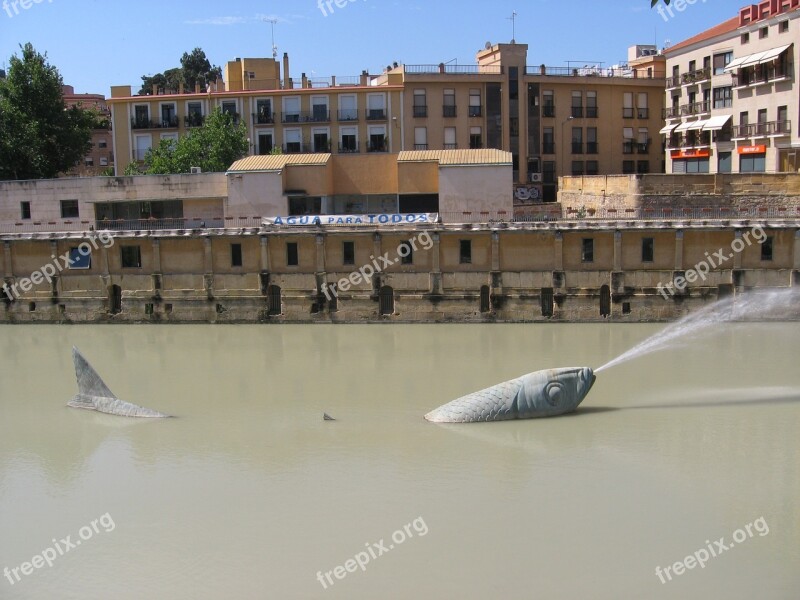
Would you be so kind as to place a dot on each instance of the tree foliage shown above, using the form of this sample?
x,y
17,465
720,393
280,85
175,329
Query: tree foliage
x,y
212,147
654,2
195,68
39,136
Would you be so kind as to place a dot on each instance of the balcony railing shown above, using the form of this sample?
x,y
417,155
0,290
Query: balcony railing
x,y
673,112
263,118
643,147
348,114
592,148
377,146
577,112
584,71
577,147
235,116
167,123
449,111
453,69
316,116
776,128
548,148
592,112
696,76
420,112
761,75
549,110
193,120
451,146
695,108
476,111
350,148
627,113
628,146
420,146
642,113
376,114
674,81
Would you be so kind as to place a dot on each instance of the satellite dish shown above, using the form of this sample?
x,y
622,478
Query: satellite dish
x,y
488,45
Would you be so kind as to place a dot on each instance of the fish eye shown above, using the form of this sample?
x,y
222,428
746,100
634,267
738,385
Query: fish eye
x,y
553,392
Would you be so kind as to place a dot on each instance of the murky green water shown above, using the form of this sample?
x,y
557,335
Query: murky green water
x,y
248,494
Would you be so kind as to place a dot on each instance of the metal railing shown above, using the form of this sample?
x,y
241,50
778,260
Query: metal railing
x,y
67,225
585,71
376,114
475,111
680,214
349,148
194,120
695,76
762,129
453,69
317,116
167,123
548,148
348,114
577,112
592,112
420,112
672,112
263,118
449,111
592,148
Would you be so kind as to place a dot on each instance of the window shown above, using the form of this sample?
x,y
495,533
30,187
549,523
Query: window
x,y
322,142
627,105
721,61
80,260
349,139
420,138
642,112
643,166
723,97
293,141
88,161
591,105
25,210
102,143
486,299
763,32
229,108
236,255
648,249
548,171
475,108
131,257
548,104
577,104
291,254
103,161
263,114
548,140
450,138
348,253
592,167
348,108
783,26
627,140
291,109
591,140
629,166
587,250
420,104
577,167
577,140
69,209
766,249
406,252
475,138
376,107
745,38
449,103
465,252
752,163
783,125
319,109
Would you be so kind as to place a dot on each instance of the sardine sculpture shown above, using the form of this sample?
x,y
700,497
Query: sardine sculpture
x,y
540,394
93,394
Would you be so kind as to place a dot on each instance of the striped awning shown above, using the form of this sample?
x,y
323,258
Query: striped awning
x,y
758,58
696,125
668,128
716,123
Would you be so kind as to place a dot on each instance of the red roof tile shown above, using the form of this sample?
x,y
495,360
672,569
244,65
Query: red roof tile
x,y
722,28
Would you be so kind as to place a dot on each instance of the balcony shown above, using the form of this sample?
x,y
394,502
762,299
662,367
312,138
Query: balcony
x,y
627,113
263,118
695,108
761,75
642,113
376,114
316,116
628,146
194,120
592,148
420,146
771,128
442,69
449,111
348,114
674,81
577,147
348,148
577,112
592,112
164,123
548,148
420,112
451,146
475,111
696,76
377,146
643,147
549,111
235,116
673,112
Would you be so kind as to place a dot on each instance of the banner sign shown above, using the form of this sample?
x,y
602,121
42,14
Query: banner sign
x,y
690,153
752,149
373,219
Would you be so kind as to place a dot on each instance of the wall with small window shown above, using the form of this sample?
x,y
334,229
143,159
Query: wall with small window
x,y
774,253
601,252
526,251
635,250
223,254
281,254
454,247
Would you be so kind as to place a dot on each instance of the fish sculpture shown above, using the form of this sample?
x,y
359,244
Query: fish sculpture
x,y
93,394
541,394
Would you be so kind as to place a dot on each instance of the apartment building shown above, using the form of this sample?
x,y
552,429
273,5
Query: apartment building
x,y
347,115
101,156
732,94
555,121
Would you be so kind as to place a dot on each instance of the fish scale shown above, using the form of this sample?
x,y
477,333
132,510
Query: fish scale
x,y
492,404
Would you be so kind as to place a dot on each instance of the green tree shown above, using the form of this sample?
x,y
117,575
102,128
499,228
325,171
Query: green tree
x,y
195,68
654,2
41,137
213,147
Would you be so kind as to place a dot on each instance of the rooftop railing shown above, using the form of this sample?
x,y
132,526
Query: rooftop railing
x,y
453,69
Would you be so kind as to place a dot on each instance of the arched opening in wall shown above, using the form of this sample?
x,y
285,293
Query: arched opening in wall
x,y
605,301
386,300
274,300
548,302
115,299
486,305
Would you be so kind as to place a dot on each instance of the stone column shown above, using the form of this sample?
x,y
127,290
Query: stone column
x,y
156,256
320,267
436,269
737,256
618,251
558,261
264,254
7,258
679,250
495,251
208,268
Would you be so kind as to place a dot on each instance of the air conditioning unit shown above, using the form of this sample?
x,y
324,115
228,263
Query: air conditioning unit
x,y
536,177
196,170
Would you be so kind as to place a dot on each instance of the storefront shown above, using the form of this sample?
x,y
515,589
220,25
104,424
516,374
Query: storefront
x,y
752,159
691,160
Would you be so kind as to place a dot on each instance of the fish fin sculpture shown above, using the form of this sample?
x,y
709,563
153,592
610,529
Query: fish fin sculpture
x,y
540,394
93,394
327,417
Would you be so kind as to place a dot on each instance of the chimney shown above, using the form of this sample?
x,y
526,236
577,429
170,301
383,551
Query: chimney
x,y
286,78
155,90
305,81
197,87
180,88
364,78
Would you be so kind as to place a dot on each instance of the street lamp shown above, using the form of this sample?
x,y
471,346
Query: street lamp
x,y
564,143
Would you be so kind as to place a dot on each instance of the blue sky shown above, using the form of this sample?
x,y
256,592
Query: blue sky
x,y
100,43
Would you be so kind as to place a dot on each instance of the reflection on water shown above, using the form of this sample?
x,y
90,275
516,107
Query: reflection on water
x,y
248,493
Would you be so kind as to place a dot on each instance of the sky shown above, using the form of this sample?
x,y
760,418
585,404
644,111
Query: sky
x,y
99,43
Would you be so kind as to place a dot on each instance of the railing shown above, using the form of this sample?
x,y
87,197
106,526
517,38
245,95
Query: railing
x,y
760,76
263,118
627,113
376,114
449,111
577,112
475,111
420,112
549,110
548,148
642,113
762,129
193,120
695,108
627,147
592,112
420,146
451,146
673,112
348,80
377,147
317,116
696,76
349,148
348,114
592,148
235,116
679,214
577,147
586,71
453,69
643,147
168,123
674,81
34,226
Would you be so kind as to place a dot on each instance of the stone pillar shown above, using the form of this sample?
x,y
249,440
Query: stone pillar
x,y
320,267
436,269
495,251
264,254
618,251
156,256
558,261
679,250
737,256
208,268
104,263
796,270
7,258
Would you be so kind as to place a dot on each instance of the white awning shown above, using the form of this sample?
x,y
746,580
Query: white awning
x,y
683,126
753,59
696,125
736,63
716,123
668,129
773,54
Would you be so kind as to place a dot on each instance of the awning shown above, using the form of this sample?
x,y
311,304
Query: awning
x,y
736,63
753,59
716,123
757,58
696,125
683,126
770,55
668,129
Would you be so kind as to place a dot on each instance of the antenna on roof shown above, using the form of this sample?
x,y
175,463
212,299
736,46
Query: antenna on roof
x,y
513,19
273,21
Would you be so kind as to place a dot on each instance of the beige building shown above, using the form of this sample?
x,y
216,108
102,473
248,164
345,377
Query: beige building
x,y
732,98
579,119
101,156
